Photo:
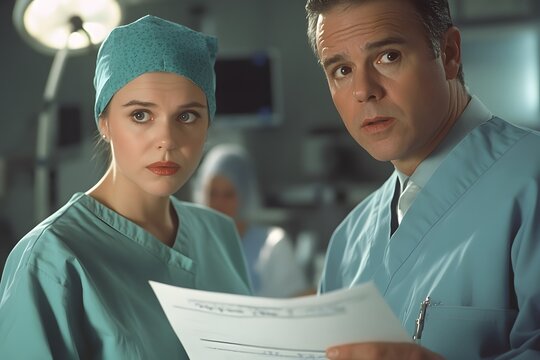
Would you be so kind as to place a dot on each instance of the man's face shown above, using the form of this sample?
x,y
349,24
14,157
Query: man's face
x,y
391,91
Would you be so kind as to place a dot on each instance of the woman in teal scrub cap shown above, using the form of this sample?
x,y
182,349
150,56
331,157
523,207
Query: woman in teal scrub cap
x,y
76,286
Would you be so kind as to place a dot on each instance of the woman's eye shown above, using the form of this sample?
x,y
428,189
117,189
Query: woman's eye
x,y
188,117
341,72
140,116
389,57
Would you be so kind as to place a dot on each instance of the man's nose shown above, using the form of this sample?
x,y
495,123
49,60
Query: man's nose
x,y
366,86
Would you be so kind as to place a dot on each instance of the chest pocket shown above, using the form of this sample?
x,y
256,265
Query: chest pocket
x,y
460,332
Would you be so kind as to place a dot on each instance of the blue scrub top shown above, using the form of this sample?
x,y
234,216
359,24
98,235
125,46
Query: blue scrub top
x,y
470,241
76,286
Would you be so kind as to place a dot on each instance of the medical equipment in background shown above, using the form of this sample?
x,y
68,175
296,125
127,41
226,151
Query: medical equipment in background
x,y
59,28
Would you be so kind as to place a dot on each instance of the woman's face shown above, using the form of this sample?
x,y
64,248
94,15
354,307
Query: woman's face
x,y
221,195
157,126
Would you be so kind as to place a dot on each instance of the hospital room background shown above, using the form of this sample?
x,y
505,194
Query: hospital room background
x,y
272,99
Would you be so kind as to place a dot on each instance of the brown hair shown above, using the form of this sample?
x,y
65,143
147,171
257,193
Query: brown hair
x,y
435,15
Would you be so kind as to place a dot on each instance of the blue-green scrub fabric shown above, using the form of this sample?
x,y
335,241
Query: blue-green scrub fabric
x,y
470,241
76,286
152,44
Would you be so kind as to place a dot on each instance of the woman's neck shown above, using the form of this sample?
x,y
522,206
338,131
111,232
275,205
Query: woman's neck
x,y
155,214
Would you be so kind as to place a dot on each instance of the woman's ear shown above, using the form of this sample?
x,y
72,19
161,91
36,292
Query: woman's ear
x,y
451,52
103,126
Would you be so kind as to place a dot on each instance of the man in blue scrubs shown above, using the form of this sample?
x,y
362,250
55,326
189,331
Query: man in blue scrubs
x,y
452,237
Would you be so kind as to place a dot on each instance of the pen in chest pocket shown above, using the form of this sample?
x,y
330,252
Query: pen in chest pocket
x,y
417,337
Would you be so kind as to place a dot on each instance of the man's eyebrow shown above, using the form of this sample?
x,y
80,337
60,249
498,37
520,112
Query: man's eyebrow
x,y
394,40
328,62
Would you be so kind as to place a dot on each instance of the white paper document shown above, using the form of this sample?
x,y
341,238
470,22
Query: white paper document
x,y
222,326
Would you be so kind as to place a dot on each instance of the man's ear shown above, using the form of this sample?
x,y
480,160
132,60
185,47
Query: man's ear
x,y
451,52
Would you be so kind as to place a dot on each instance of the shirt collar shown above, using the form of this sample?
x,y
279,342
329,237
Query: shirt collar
x,y
474,114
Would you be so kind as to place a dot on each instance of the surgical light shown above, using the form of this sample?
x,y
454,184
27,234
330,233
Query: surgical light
x,y
51,25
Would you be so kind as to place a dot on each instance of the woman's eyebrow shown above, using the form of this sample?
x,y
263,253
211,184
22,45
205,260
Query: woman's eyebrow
x,y
193,104
139,103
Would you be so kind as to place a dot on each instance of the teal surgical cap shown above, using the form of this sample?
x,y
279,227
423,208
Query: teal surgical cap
x,y
232,162
151,44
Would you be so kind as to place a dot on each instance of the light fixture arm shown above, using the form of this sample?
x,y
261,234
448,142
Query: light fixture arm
x,y
45,137
55,73
49,27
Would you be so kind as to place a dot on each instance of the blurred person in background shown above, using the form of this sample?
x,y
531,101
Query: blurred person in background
x,y
227,182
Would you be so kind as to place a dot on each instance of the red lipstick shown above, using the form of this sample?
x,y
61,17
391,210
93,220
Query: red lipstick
x,y
164,168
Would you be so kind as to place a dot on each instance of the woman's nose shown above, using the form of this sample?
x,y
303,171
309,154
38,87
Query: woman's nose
x,y
166,138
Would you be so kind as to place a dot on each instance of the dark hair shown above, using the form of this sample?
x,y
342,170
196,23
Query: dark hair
x,y
435,15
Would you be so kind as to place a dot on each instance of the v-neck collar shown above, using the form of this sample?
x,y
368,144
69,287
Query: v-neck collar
x,y
177,255
456,174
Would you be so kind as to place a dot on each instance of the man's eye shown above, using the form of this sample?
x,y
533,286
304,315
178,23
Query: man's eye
x,y
389,57
341,72
140,116
188,117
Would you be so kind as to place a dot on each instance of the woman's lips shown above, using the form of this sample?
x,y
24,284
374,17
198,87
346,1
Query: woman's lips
x,y
164,168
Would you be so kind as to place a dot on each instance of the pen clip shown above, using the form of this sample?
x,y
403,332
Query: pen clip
x,y
420,320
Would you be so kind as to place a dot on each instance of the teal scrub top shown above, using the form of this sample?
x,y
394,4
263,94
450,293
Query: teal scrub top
x,y
76,286
470,241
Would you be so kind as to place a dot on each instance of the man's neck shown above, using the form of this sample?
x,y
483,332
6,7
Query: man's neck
x,y
458,102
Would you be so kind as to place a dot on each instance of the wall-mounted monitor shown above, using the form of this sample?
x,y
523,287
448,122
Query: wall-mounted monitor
x,y
248,89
